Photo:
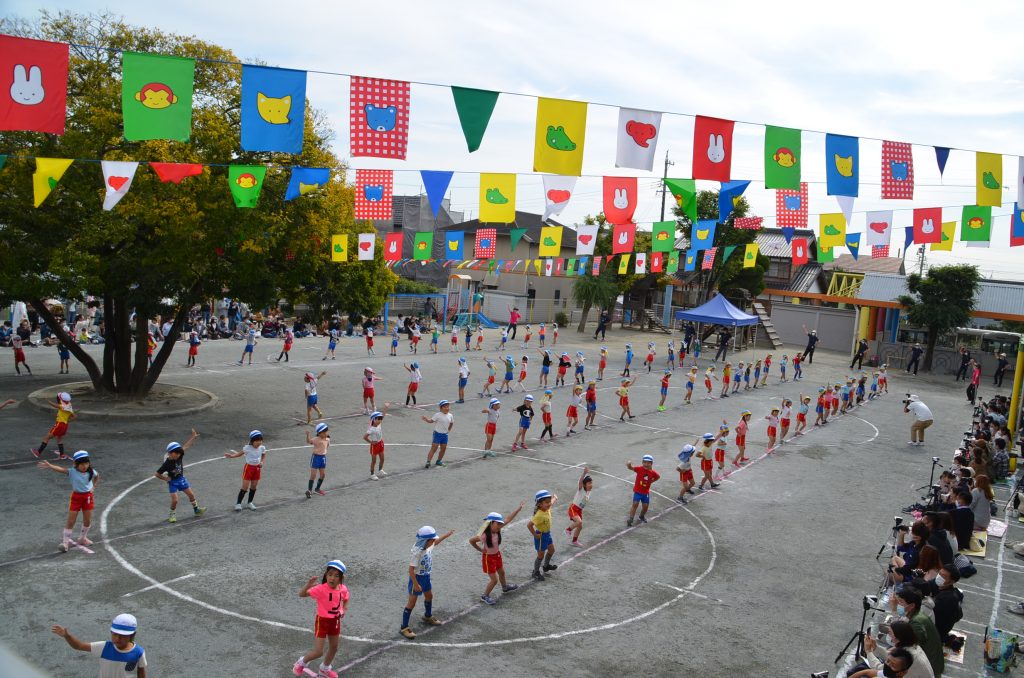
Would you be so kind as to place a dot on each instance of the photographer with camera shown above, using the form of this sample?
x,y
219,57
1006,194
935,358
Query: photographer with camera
x,y
903,640
922,418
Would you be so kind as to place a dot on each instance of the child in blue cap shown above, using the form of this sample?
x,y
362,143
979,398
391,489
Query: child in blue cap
x,y
420,567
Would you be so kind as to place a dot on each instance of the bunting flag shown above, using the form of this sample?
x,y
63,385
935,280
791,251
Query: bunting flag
x,y
373,194
538,266
690,262
825,254
175,172
799,248
879,228
782,156
750,255
657,262
497,198
709,259
586,238
423,246
367,242
624,264
846,206
339,247
842,165
663,236
117,180
436,184
729,249
48,173
832,230
558,142
941,156
702,234
1020,180
791,207
880,251
557,192
752,223
908,238
673,262
622,238
454,244
34,99
787,233
712,149
393,246
853,244
514,236
273,109
305,180
550,241
474,107
570,267
637,137
378,123
584,265
1016,226
596,270
685,193
156,96
945,244
641,263
897,171
549,267
620,198
246,183
927,225
976,224
729,197
486,243
989,179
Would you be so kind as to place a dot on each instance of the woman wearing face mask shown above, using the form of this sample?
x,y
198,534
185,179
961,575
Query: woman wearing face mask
x,y
889,663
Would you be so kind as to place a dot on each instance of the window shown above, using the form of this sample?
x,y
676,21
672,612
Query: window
x,y
778,268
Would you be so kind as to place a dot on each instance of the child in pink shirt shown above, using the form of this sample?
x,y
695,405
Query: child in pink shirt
x,y
331,597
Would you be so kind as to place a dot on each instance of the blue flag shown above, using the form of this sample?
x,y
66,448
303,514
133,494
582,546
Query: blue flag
x,y
273,109
941,156
1017,228
909,238
727,196
842,164
306,180
787,233
583,265
853,244
454,241
702,234
691,260
436,184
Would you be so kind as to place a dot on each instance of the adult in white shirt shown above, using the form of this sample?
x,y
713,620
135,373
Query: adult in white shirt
x,y
922,419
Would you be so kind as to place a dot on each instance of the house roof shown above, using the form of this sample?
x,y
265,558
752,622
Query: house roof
x,y
772,242
994,296
866,264
804,279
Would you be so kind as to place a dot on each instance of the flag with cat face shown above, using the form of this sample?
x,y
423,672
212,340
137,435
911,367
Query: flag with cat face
x,y
378,117
273,109
373,194
842,165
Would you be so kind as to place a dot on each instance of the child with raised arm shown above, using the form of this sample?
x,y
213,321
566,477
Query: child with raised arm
x,y
463,379
545,369
172,472
526,339
666,375
685,468
649,360
510,367
311,396
563,367
773,428
331,596
670,361
590,396
645,475
579,502
801,415
709,376
65,413
579,367
488,542
119,656
491,373
83,481
785,416
420,568
523,364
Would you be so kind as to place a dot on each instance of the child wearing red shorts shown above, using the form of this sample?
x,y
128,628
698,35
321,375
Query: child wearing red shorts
x,y
331,597
65,413
706,456
721,445
375,437
488,542
741,439
255,454
579,501
785,417
369,376
83,480
19,354
685,469
773,428
493,412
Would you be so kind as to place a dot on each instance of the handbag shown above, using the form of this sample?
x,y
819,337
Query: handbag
x,y
964,564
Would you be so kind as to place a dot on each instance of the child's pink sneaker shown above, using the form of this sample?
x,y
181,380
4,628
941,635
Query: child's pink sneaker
x,y
299,668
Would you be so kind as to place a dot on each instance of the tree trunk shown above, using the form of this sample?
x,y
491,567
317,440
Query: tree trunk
x,y
109,345
582,327
122,347
933,338
153,373
138,372
58,329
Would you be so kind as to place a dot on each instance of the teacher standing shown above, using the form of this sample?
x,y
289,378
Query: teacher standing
x,y
513,320
812,341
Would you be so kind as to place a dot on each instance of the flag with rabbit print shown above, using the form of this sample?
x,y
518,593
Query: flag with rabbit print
x,y
33,85
620,196
712,148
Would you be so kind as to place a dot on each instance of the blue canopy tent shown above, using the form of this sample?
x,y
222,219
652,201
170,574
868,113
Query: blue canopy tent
x,y
718,311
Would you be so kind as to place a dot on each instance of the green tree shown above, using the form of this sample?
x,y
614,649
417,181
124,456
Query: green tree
x,y
941,300
165,247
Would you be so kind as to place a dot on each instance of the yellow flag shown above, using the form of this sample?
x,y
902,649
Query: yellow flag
x,y
989,179
550,241
948,234
750,256
48,173
538,265
339,247
624,264
497,198
831,230
558,144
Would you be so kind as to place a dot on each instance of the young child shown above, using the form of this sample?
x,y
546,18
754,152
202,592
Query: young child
x,y
455,340
526,339
83,481
726,379
65,358
666,375
331,596
579,367
463,379
602,363
250,346
623,392
649,360
311,397
670,361
493,412
488,542
554,334
119,656
844,397
255,455
289,338
645,475
746,377
696,350
414,338
782,367
691,383
65,413
563,367
706,456
540,335
435,336
545,415
874,386
415,377
819,408
767,367
757,373
374,436
590,396
579,502
883,378
742,426
502,340
172,472
709,376
394,341
797,369
420,567
721,446
737,377
369,377
332,343
784,419
150,349
523,364
443,422
491,373
545,369
861,388
572,414
469,336
801,415
629,359
525,417
510,367
479,338
540,527
773,428
318,460
685,469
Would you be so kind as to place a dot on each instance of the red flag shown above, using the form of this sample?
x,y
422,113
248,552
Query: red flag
x,y
879,251
33,85
485,245
898,172
175,172
378,117
620,196
799,246
559,265
709,258
748,222
657,262
791,207
373,194
622,238
927,225
712,148
393,247
596,270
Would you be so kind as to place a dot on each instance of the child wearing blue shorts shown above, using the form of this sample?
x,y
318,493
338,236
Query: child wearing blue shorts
x,y
250,344
540,527
645,475
172,472
545,368
65,358
443,422
420,567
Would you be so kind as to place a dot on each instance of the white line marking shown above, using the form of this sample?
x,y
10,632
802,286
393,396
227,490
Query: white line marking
x,y
150,588
999,584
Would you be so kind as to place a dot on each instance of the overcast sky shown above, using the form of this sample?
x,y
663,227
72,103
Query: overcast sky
x,y
948,75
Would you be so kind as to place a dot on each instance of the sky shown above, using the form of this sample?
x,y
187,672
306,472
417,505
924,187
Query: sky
x,y
948,76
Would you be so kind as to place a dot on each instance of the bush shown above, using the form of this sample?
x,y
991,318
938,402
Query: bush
x,y
562,319
406,286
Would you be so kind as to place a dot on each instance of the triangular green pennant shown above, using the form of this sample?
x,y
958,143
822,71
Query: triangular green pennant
x,y
515,235
491,265
423,246
729,249
685,192
246,182
474,107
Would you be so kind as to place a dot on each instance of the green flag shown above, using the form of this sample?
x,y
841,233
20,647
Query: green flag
x,y
423,246
3,161
570,267
825,255
246,182
474,107
729,249
156,96
685,192
976,224
663,236
515,235
782,158
673,262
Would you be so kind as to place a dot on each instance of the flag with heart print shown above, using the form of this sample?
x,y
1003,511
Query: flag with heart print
x,y
586,238
366,245
879,228
620,196
928,225
557,193
117,180
637,137
641,263
897,171
799,246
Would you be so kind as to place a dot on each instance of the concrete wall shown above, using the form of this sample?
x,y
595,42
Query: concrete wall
x,y
835,326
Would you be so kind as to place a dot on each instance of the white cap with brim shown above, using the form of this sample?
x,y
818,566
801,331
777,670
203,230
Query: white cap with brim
x,y
124,625
81,455
337,565
495,518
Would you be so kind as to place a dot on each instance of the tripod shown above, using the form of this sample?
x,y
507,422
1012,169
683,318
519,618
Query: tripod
x,y
858,637
932,497
892,546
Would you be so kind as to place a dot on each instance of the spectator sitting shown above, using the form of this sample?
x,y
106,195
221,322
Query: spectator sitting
x,y
941,538
223,328
947,491
25,332
299,328
908,553
947,599
903,639
999,467
981,502
6,332
270,328
928,565
908,604
963,519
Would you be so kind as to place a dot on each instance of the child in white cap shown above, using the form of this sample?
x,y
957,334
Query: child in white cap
x,y
255,454
545,415
645,475
172,472
525,417
443,422
540,527
415,377
463,379
311,396
118,656
369,378
83,480
375,437
420,567
488,542
331,596
65,413
318,460
493,412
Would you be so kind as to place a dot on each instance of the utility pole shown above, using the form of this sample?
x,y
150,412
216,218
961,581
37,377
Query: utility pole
x,y
664,189
920,260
